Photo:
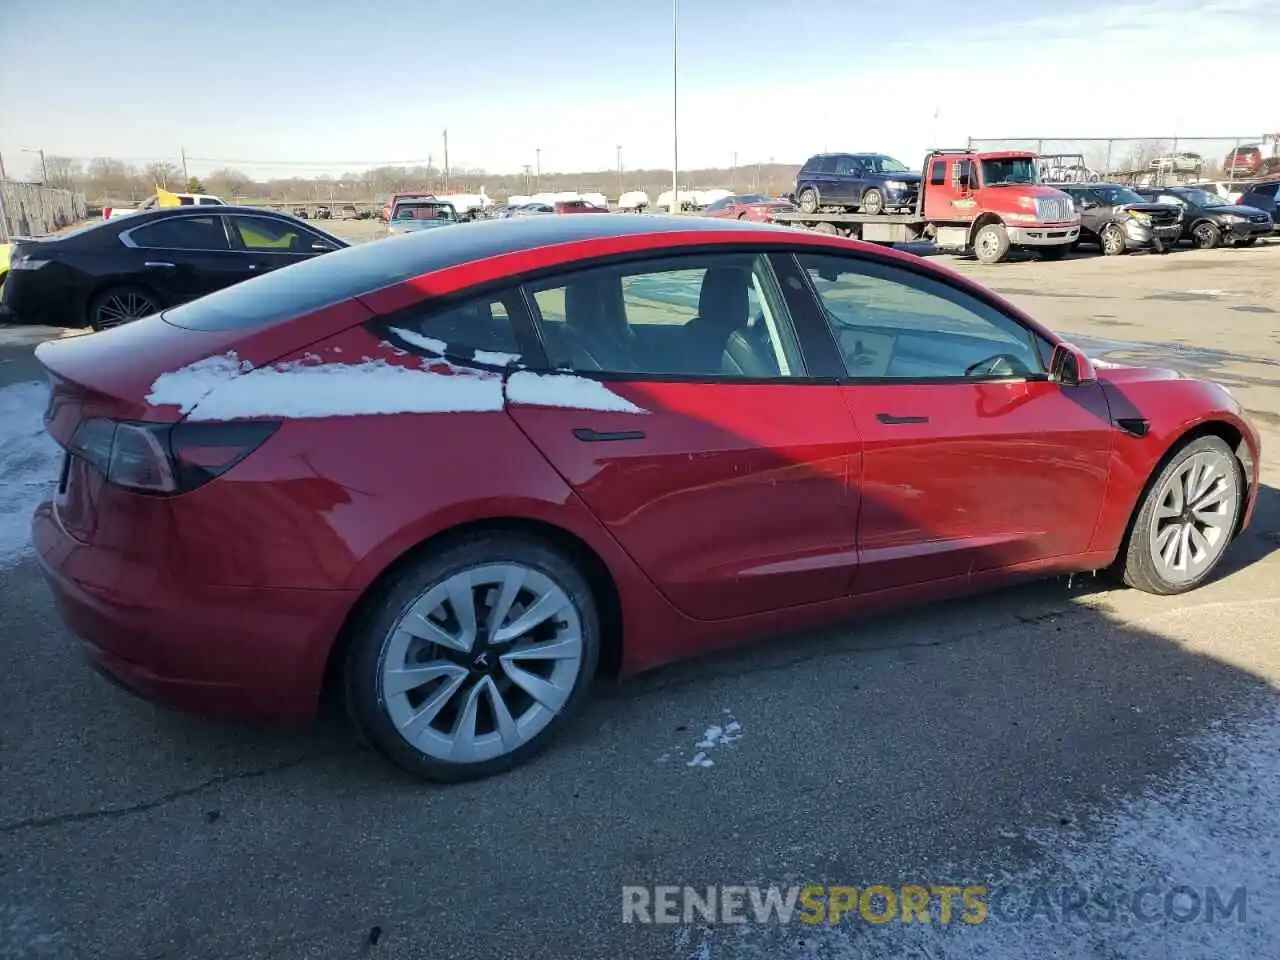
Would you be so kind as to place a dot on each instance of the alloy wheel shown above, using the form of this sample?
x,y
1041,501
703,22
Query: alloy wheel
x,y
1112,241
481,663
1195,513
123,307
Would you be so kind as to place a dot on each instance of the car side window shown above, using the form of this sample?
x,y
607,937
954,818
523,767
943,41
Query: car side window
x,y
826,165
481,328
1171,198
272,236
182,233
961,174
702,316
891,323
847,167
938,173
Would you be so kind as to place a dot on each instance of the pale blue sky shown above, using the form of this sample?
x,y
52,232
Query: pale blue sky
x,y
304,85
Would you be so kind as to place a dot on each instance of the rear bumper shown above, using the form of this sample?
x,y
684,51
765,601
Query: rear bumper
x,y
241,652
1048,236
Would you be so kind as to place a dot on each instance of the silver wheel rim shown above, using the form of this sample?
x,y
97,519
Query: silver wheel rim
x,y
988,243
1112,240
873,202
1195,512
124,308
479,664
808,201
1204,234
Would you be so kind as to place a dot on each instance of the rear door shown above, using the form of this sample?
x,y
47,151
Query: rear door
x,y
268,243
972,460
684,412
183,256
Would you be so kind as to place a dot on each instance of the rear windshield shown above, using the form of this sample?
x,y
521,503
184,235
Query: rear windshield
x,y
303,287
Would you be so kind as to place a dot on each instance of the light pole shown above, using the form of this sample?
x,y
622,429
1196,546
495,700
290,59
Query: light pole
x,y
675,106
537,158
44,169
619,171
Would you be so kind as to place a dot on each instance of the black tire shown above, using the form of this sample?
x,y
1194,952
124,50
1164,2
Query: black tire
x,y
1135,565
830,229
373,632
1053,253
872,203
121,304
808,200
991,243
1206,235
1111,240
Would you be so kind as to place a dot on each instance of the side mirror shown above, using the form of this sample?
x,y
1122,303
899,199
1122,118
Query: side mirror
x,y
1069,366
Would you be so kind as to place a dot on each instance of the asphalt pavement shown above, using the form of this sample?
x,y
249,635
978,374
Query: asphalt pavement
x,y
1050,734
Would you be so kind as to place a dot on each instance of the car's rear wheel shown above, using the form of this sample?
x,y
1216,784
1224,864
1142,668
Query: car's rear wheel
x,y
872,202
471,659
1206,236
119,305
1112,240
808,200
1186,520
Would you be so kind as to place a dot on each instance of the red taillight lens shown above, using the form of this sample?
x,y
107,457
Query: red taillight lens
x,y
162,458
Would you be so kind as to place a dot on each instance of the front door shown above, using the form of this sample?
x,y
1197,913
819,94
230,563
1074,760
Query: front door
x,y
681,413
951,197
269,243
972,459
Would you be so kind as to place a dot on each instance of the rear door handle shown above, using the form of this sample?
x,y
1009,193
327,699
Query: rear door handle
x,y
889,418
158,265
587,435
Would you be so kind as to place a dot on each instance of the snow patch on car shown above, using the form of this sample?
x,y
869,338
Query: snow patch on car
x,y
1105,365
565,390
187,386
28,465
418,340
297,390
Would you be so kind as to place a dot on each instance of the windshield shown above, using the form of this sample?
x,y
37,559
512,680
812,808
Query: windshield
x,y
1009,170
1203,198
752,198
886,165
423,211
1117,195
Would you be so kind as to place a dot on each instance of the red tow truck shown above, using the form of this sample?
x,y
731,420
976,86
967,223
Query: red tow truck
x,y
987,203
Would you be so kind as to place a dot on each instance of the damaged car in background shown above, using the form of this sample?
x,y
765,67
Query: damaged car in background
x,y
1118,220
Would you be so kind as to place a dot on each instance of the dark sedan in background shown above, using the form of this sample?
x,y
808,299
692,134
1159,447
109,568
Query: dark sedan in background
x,y
1209,221
1117,219
116,271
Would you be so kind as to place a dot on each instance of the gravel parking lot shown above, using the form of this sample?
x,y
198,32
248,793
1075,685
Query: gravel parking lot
x,y
1050,735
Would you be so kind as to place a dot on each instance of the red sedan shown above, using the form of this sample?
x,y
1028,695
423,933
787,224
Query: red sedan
x,y
458,471
748,206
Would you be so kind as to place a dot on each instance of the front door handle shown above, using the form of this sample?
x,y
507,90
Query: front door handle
x,y
587,435
890,419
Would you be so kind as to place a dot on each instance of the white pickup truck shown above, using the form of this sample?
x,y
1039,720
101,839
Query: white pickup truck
x,y
186,200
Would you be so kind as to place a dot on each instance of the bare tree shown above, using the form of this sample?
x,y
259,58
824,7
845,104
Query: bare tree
x,y
61,172
162,173
229,183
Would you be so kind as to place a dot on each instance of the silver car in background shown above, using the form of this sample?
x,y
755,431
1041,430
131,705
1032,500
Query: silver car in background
x,y
420,213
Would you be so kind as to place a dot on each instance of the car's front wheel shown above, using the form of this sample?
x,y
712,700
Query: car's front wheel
x,y
471,659
1112,240
1186,520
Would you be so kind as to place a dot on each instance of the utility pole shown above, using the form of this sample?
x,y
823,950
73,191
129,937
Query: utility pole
x,y
446,159
619,171
537,159
675,107
3,177
185,177
528,176
733,173
44,170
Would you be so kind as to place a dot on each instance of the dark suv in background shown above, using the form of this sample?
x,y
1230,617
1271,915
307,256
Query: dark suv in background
x,y
1117,219
1263,196
870,183
1208,220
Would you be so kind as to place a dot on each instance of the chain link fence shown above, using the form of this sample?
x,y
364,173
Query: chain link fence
x,y
30,209
1154,161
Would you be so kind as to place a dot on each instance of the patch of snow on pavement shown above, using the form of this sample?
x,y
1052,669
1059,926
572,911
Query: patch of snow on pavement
x,y
370,388
1213,824
567,391
185,387
714,736
28,465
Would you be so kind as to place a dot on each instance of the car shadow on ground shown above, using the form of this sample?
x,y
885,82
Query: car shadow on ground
x,y
881,750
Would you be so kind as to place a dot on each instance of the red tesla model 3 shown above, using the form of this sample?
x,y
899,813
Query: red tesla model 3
x,y
461,472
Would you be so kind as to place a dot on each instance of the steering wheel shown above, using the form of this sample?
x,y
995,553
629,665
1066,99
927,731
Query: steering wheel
x,y
999,365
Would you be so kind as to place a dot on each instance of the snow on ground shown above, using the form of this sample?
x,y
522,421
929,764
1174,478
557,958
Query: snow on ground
x,y
1214,823
28,464
717,735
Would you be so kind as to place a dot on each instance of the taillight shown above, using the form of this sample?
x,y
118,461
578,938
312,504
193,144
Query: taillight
x,y
164,458
106,213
